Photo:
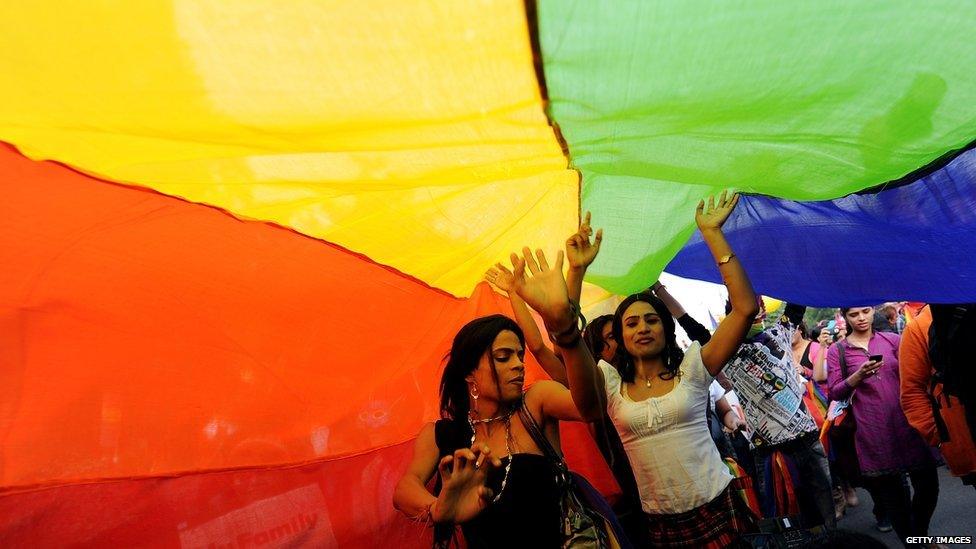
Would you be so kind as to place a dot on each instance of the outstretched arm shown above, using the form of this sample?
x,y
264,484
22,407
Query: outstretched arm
x,y
661,291
695,330
546,292
733,328
500,276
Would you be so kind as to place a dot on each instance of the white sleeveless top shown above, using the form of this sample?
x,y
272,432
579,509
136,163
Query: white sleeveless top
x,y
666,438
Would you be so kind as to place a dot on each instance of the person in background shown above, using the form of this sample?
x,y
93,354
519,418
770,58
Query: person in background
x,y
841,451
865,369
811,355
695,330
763,372
599,338
725,420
922,398
888,319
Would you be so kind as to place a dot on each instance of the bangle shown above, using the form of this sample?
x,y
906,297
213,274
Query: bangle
x,y
725,259
566,339
426,517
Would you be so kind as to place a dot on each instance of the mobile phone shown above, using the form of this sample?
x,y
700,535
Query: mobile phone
x,y
876,358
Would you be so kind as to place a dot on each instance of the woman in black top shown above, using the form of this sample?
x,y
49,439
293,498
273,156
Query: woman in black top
x,y
494,479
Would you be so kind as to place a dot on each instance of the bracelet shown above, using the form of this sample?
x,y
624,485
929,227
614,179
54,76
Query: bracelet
x,y
566,339
426,517
571,335
725,259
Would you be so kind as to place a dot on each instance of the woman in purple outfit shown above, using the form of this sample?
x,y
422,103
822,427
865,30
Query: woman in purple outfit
x,y
887,447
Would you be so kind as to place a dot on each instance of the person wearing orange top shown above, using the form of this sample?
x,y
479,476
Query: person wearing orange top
x,y
916,388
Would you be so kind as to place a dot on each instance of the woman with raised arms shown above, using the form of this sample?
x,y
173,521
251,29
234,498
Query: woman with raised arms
x,y
656,395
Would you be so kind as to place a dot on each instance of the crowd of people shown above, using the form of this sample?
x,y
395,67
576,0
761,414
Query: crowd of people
x,y
756,429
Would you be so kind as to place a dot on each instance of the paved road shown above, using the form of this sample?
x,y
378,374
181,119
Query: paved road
x,y
954,516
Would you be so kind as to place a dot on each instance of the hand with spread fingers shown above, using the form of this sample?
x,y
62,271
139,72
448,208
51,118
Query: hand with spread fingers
x,y
545,291
580,252
464,493
712,216
501,277
504,279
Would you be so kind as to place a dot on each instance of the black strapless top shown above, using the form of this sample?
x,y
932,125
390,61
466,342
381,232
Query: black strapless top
x,y
527,514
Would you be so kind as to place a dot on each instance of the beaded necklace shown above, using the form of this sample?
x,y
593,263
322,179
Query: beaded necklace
x,y
507,418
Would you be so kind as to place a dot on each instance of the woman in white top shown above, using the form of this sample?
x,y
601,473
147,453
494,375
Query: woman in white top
x,y
656,395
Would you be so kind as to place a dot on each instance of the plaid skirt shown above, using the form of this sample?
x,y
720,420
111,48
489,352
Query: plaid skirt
x,y
718,523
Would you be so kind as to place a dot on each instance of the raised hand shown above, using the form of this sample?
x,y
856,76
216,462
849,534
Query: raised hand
x,y
579,251
464,493
500,276
545,291
713,215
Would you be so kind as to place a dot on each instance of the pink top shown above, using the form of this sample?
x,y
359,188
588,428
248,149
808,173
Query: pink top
x,y
884,440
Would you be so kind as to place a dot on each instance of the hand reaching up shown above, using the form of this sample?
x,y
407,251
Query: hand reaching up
x,y
545,291
500,276
579,251
713,215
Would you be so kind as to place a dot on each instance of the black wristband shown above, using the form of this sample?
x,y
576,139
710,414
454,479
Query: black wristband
x,y
567,339
571,335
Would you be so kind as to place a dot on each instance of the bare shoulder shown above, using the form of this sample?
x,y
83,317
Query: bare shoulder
x,y
542,389
540,392
426,436
551,402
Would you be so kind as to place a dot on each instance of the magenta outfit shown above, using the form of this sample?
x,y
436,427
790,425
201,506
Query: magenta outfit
x,y
884,440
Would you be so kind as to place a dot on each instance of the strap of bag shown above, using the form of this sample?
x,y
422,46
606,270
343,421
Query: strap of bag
x,y
538,436
842,358
939,361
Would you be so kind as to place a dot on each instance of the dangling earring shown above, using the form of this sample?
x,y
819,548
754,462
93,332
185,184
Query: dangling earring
x,y
474,394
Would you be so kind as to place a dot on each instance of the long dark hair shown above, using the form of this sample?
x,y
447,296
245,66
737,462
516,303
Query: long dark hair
x,y
593,335
673,355
472,341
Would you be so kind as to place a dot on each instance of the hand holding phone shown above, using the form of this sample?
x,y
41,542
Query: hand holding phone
x,y
877,361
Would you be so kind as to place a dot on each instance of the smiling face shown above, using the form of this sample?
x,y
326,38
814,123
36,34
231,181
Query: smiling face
x,y
506,357
642,331
860,318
